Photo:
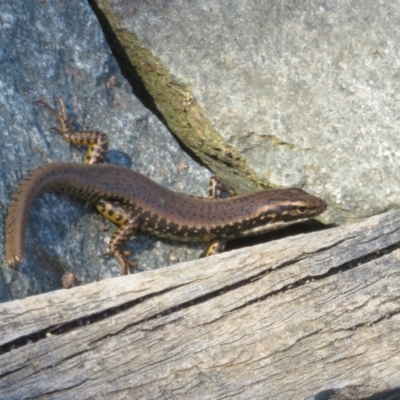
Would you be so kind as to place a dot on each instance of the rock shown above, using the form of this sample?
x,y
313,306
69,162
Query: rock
x,y
57,49
300,94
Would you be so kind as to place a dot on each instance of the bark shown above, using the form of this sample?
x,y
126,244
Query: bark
x,y
312,316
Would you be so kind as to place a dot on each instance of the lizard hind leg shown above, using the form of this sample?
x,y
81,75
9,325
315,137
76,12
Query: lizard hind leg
x,y
96,140
120,215
128,223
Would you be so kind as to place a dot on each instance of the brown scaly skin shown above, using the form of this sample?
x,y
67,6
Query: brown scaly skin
x,y
133,201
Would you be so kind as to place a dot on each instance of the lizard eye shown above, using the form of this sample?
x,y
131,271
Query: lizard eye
x,y
301,209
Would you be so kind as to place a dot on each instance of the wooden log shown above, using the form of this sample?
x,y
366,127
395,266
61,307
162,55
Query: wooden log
x,y
311,316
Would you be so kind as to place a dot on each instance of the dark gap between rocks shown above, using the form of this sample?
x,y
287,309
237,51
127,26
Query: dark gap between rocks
x,y
128,70
131,75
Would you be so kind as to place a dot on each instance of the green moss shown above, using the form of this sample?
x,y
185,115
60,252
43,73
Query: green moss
x,y
183,116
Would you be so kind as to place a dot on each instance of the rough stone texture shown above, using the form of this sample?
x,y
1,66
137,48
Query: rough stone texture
x,y
57,49
307,91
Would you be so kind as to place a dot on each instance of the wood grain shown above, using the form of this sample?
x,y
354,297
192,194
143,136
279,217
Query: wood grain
x,y
305,317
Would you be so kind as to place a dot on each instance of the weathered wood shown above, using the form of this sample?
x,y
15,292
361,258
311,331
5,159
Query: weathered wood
x,y
287,320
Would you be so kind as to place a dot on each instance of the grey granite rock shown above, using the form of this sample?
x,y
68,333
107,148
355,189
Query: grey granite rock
x,y
306,91
57,49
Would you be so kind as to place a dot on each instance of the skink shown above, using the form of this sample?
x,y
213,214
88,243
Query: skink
x,y
134,202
